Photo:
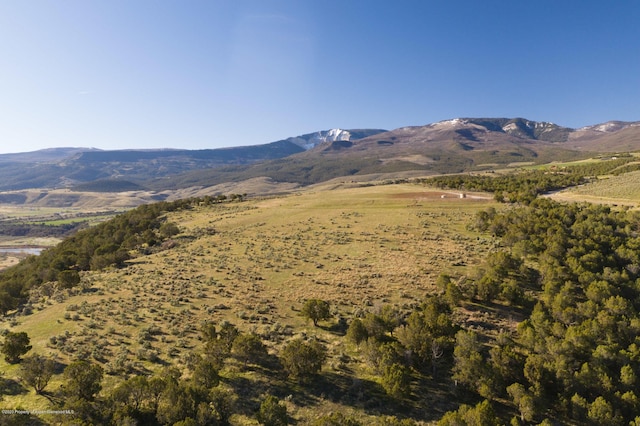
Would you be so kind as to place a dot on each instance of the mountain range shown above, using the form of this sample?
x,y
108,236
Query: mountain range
x,y
450,146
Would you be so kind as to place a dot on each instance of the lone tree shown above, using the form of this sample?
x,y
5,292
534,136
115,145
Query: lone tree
x,y
14,346
303,359
36,371
316,310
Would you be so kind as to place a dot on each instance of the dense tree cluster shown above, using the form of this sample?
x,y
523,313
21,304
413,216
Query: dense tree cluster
x,y
21,229
525,186
611,164
577,355
400,347
521,187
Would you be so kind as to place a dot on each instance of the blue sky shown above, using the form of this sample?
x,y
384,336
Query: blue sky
x,y
122,74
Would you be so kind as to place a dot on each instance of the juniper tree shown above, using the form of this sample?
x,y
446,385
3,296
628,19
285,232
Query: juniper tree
x,y
14,346
303,359
36,371
316,310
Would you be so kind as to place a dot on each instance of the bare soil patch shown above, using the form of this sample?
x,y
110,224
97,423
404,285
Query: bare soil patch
x,y
435,195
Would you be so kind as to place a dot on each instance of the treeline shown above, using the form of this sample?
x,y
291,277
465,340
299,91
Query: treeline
x,y
626,169
33,230
575,270
111,243
604,166
522,187
525,186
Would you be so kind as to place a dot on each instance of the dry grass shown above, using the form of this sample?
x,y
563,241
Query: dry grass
x,y
254,264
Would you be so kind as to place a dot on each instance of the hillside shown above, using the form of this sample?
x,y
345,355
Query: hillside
x,y
619,190
393,304
134,166
254,264
43,155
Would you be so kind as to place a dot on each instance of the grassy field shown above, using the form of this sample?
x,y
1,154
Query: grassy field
x,y
562,164
621,190
254,264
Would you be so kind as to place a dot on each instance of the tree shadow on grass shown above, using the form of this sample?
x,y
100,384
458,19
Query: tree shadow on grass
x,y
251,393
20,419
365,394
58,367
338,328
427,402
12,387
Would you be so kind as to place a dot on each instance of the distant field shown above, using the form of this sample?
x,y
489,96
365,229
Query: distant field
x,y
14,211
561,164
623,189
89,219
254,264
46,219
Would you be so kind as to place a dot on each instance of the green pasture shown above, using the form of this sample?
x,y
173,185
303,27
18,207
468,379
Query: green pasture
x,y
622,189
81,219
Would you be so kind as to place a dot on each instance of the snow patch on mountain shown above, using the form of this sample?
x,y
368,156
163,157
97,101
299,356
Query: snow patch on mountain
x,y
449,123
510,127
314,139
534,129
610,126
544,124
606,127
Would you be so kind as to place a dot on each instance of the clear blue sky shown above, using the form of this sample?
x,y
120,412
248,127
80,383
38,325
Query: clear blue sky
x,y
116,74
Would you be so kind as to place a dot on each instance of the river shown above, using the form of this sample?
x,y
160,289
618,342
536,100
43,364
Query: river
x,y
21,250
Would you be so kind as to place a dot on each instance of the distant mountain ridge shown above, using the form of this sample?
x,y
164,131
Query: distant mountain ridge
x,y
311,140
523,128
448,146
43,155
68,167
610,126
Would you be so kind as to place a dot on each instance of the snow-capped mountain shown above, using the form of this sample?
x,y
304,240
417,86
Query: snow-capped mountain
x,y
519,127
311,140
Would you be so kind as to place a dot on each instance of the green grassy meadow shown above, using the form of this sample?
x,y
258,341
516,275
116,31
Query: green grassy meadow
x,y
623,190
254,264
